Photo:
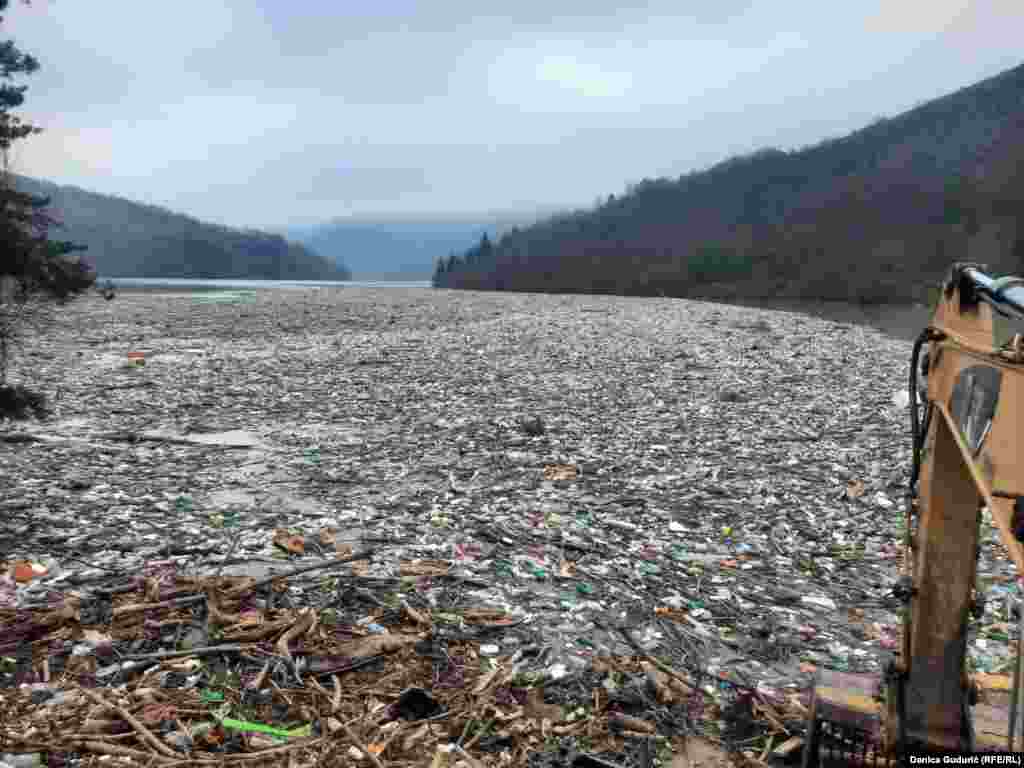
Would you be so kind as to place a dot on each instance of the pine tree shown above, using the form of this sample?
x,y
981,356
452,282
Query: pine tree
x,y
35,270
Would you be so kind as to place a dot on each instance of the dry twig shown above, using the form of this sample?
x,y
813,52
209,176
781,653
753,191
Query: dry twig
x,y
141,729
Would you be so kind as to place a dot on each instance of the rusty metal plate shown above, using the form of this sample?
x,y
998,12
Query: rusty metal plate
x,y
849,701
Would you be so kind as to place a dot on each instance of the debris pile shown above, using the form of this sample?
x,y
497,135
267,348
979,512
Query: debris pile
x,y
163,668
515,529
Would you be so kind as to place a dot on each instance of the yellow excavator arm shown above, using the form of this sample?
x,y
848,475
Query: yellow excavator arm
x,y
967,414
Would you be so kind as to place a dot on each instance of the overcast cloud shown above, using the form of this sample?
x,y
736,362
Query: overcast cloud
x,y
274,112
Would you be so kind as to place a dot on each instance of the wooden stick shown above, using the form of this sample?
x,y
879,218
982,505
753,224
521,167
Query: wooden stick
x,y
203,651
300,627
124,610
260,678
141,729
257,755
103,748
336,700
132,437
365,555
415,615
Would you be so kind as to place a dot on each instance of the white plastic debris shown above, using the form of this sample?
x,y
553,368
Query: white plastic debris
x,y
686,494
816,601
676,601
557,671
900,398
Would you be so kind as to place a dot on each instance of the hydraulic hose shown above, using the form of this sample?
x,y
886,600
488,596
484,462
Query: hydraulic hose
x,y
915,417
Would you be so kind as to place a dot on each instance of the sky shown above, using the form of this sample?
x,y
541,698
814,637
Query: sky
x,y
274,113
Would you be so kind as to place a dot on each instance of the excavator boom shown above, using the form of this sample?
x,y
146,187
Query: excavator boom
x,y
968,456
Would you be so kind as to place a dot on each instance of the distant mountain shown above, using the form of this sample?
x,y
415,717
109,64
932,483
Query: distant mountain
x,y
875,216
128,239
399,248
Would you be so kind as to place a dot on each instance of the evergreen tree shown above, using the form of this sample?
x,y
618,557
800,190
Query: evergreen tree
x,y
34,269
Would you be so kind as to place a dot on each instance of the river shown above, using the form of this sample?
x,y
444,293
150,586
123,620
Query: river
x,y
237,283
901,321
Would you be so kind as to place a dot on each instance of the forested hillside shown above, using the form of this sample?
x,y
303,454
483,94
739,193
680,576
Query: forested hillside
x,y
875,216
127,239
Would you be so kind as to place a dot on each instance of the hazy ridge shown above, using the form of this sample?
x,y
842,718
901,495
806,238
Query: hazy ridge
x,y
129,239
401,248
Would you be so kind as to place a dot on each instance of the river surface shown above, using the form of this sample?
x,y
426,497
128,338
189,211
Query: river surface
x,y
236,283
902,321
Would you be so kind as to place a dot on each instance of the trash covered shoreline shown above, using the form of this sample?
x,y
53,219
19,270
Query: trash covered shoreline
x,y
411,527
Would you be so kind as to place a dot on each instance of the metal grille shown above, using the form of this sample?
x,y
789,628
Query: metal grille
x,y
844,746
